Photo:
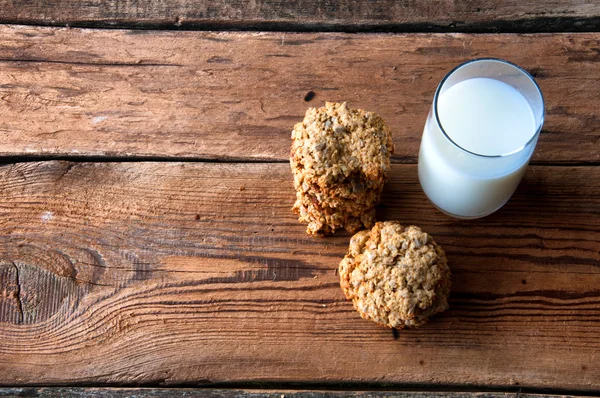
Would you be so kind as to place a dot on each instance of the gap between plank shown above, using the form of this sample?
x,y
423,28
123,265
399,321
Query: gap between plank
x,y
185,159
129,159
316,387
532,25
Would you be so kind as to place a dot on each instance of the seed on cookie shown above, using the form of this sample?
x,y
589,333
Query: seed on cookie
x,y
395,276
340,159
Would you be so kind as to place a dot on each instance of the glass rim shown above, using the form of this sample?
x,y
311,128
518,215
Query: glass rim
x,y
518,68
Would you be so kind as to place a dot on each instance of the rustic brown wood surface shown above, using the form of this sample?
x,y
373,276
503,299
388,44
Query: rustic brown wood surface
x,y
169,273
75,392
346,15
202,95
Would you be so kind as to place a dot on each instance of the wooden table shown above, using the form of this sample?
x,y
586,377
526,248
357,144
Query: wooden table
x,y
146,232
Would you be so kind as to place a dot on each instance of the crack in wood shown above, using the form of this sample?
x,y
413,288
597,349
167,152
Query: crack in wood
x,y
90,282
67,169
115,64
18,293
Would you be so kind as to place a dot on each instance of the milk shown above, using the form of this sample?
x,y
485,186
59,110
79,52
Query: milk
x,y
486,116
492,120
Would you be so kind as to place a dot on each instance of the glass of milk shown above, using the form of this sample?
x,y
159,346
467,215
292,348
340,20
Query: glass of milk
x,y
483,126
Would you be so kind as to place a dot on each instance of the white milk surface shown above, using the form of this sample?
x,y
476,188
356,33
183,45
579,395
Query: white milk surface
x,y
487,117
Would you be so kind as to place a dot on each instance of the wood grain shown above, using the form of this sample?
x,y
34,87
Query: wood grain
x,y
198,95
344,15
78,392
170,273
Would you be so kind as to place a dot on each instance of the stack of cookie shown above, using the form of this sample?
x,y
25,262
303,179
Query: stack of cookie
x,y
340,157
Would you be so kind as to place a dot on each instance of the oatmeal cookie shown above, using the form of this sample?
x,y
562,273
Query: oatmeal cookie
x,y
396,276
340,159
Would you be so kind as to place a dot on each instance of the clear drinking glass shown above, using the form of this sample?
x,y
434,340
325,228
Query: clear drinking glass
x,y
481,131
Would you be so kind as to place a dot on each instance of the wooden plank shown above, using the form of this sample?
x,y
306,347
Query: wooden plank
x,y
345,15
194,95
68,392
171,273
